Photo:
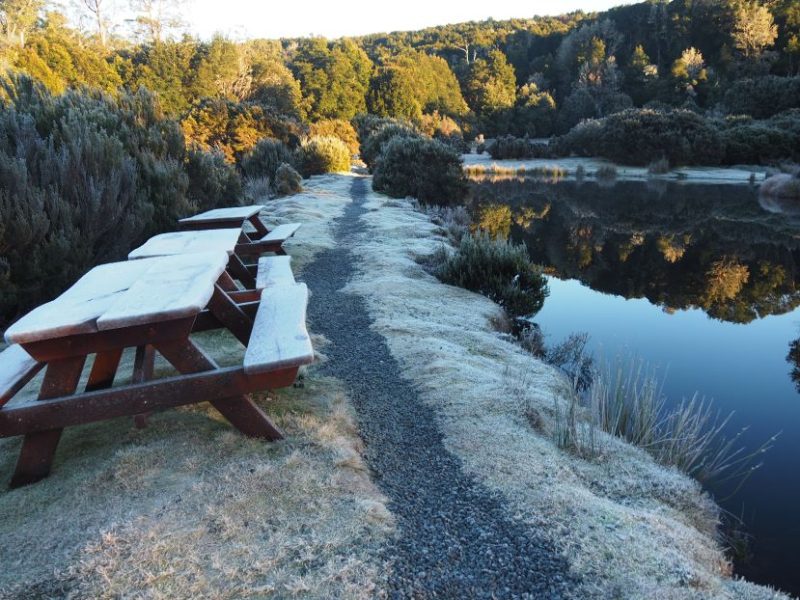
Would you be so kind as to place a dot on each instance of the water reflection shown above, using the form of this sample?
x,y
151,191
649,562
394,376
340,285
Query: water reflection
x,y
700,280
679,246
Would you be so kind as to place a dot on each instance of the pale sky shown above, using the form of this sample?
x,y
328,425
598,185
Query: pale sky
x,y
336,18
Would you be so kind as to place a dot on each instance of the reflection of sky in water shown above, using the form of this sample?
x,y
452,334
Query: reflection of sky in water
x,y
742,367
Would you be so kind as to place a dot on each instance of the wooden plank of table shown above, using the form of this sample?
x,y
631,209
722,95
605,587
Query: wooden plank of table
x,y
156,289
188,242
176,287
224,214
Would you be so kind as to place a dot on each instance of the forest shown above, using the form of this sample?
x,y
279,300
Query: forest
x,y
138,121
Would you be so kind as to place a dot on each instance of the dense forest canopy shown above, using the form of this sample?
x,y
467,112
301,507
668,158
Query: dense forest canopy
x,y
531,76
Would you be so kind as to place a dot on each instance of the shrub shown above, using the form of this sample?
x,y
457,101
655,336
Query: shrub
x,y
606,172
373,144
658,167
83,178
763,97
498,269
213,182
287,180
511,147
367,124
640,136
257,189
265,158
425,169
338,128
319,155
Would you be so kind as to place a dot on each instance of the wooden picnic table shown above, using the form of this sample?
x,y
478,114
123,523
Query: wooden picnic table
x,y
188,242
151,304
264,239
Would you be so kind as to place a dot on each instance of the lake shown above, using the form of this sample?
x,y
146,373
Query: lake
x,y
701,282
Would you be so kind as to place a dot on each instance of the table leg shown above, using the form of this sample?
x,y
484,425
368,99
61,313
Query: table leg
x,y
103,370
38,449
259,225
240,411
239,270
230,315
143,366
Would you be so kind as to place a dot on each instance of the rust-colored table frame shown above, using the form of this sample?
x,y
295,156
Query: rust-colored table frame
x,y
249,245
201,379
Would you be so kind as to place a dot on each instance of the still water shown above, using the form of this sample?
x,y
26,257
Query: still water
x,y
702,283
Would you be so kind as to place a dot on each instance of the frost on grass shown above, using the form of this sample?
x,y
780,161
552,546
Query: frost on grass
x,y
188,508
322,200
629,527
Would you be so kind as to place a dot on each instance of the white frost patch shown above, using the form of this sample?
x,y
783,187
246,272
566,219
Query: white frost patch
x,y
628,526
569,165
322,200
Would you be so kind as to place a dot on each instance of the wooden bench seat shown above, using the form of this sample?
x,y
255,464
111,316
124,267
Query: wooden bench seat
x,y
274,270
17,368
280,234
279,339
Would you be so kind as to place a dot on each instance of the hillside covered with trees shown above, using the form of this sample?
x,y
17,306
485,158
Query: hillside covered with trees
x,y
129,114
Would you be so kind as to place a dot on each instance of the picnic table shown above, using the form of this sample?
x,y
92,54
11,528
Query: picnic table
x,y
188,242
152,305
262,240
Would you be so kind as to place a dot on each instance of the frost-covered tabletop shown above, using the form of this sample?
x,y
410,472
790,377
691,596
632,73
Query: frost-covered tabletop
x,y
224,214
124,294
186,242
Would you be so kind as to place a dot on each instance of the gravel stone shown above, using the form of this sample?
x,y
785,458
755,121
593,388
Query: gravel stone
x,y
455,539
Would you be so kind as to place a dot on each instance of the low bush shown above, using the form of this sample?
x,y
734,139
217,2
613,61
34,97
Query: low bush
x,y
265,158
257,189
499,270
338,128
426,169
658,167
373,144
318,155
287,180
508,146
213,182
763,97
641,136
606,172
758,143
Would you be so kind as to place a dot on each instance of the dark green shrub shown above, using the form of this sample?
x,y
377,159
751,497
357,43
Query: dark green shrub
x,y
640,136
498,269
373,144
367,124
318,155
758,143
425,169
213,182
509,146
265,158
84,177
287,180
763,97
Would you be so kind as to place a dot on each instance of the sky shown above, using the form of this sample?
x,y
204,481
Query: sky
x,y
336,18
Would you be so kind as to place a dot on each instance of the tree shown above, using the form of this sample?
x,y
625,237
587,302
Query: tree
x,y
17,17
491,85
754,29
100,11
157,19
690,70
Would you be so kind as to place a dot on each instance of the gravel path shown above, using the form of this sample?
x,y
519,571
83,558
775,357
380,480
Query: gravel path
x,y
455,538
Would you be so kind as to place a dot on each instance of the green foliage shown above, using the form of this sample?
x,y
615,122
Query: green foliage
x,y
763,97
235,128
640,136
491,84
287,180
265,158
213,182
337,128
83,177
425,169
508,146
498,269
372,145
318,155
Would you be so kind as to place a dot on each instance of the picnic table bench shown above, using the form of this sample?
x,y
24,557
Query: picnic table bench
x,y
261,241
152,305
